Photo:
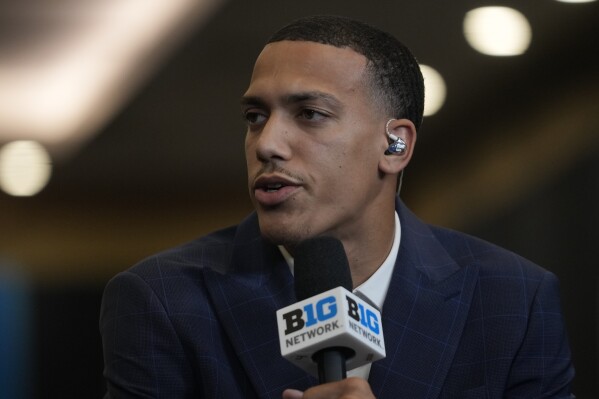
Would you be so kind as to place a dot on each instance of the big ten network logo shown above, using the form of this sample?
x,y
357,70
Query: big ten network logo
x,y
325,309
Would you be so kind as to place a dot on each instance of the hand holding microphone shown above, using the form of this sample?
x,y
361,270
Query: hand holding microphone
x,y
350,388
329,329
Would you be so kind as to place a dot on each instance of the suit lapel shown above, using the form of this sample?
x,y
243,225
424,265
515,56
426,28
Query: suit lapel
x,y
246,299
423,315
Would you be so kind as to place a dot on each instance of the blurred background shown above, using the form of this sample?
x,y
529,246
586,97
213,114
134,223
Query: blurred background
x,y
120,136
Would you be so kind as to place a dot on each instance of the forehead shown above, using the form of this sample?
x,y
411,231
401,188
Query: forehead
x,y
297,66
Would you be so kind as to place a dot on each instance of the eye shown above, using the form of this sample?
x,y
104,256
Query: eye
x,y
312,115
253,117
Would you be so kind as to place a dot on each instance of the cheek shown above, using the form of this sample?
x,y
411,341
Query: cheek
x,y
349,154
248,143
344,172
250,152
360,157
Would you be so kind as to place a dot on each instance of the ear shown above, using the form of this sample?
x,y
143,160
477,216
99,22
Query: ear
x,y
395,163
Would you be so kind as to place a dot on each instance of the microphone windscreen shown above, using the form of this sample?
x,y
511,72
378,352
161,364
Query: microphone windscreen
x,y
320,265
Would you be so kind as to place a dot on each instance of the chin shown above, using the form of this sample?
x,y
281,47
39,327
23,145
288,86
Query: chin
x,y
281,233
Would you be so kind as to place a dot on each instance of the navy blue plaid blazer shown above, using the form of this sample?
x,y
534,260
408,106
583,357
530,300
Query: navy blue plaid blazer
x,y
462,319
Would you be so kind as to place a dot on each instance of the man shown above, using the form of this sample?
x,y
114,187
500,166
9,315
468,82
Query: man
x,y
332,111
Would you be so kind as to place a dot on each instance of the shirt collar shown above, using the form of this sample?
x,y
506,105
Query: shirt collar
x,y
374,289
376,286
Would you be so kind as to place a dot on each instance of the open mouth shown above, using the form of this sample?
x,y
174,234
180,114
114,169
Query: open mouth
x,y
274,190
271,188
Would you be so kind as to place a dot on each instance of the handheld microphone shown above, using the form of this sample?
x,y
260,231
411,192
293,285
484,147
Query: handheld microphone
x,y
329,330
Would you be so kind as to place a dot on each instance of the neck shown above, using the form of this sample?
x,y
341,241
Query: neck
x,y
367,254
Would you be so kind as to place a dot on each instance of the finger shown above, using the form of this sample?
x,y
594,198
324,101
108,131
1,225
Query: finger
x,y
292,394
352,387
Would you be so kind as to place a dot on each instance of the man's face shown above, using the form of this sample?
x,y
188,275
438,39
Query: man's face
x,y
313,144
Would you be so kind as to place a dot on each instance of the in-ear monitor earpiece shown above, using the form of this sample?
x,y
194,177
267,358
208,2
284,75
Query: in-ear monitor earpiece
x,y
397,145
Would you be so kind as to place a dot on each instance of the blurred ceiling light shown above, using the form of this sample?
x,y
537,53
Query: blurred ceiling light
x,y
499,31
25,168
434,90
71,80
576,1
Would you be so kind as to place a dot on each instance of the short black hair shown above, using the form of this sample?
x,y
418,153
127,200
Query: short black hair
x,y
394,71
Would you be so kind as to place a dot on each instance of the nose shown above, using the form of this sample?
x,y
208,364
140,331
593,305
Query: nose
x,y
273,141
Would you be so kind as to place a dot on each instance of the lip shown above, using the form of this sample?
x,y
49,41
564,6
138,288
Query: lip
x,y
269,198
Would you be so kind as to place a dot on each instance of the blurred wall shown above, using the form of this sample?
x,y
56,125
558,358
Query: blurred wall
x,y
556,227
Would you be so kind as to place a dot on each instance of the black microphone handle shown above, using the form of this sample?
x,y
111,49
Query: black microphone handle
x,y
320,265
331,363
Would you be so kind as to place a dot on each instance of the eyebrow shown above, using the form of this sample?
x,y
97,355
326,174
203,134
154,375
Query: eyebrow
x,y
312,95
251,100
295,98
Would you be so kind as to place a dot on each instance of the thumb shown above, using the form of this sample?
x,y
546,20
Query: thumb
x,y
292,394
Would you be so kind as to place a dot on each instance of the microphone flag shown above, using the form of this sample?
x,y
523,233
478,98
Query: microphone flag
x,y
334,318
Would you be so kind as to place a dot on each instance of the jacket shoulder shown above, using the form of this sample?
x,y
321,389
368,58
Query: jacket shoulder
x,y
212,251
491,259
